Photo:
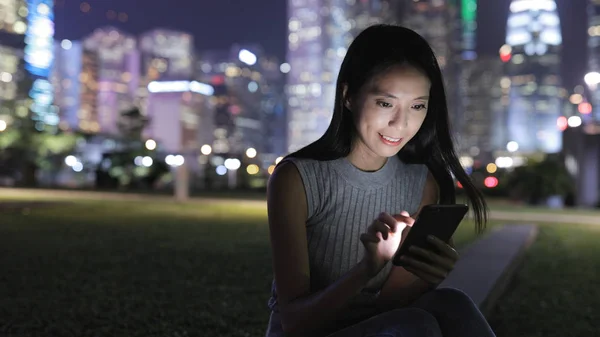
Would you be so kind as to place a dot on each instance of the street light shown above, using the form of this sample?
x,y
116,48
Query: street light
x,y
574,121
2,125
232,164
251,152
174,160
252,169
512,146
151,144
206,149
247,57
285,68
592,79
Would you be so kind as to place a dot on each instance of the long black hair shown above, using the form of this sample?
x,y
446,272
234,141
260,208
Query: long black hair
x,y
373,51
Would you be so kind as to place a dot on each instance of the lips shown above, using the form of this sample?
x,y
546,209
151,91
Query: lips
x,y
390,140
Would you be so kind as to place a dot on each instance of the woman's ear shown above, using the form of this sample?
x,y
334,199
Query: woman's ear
x,y
346,99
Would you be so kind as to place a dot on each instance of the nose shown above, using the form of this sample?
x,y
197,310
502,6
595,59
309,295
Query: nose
x,y
399,119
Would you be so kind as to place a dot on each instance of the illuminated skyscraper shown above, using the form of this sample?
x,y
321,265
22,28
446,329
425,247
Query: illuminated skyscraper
x,y
594,51
532,56
176,105
582,144
13,16
468,18
39,57
249,98
320,31
116,77
438,21
167,55
472,100
483,77
65,78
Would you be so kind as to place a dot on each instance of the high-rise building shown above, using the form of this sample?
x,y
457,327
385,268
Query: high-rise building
x,y
166,55
483,81
13,91
249,99
13,16
320,32
178,107
65,78
532,57
39,57
468,19
582,143
593,43
467,72
117,73
438,21
179,113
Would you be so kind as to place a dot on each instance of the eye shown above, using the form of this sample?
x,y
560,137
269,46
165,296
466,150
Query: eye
x,y
419,107
384,104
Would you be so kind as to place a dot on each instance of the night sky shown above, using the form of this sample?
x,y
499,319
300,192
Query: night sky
x,y
216,24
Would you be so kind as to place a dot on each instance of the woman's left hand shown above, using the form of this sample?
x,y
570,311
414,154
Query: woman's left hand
x,y
429,265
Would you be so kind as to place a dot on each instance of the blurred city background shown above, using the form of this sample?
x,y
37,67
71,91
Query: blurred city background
x,y
107,95
200,99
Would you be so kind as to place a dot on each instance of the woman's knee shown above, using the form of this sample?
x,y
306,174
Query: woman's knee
x,y
450,298
417,320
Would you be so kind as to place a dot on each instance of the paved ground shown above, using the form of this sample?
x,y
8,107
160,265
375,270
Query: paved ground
x,y
487,266
553,217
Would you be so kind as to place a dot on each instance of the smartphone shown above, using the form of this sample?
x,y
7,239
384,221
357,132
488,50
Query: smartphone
x,y
440,221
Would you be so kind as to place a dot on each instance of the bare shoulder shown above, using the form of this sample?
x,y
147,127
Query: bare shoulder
x,y
285,183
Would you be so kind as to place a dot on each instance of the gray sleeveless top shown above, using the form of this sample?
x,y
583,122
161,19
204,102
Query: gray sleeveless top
x,y
342,202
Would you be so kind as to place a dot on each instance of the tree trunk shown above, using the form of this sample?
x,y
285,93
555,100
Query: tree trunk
x,y
30,174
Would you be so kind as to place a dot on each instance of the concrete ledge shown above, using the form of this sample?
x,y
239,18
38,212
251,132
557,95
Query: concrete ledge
x,y
487,266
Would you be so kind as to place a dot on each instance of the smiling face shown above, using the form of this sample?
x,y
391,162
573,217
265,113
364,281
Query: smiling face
x,y
388,113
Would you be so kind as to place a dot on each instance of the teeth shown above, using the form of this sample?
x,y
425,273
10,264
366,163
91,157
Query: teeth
x,y
390,139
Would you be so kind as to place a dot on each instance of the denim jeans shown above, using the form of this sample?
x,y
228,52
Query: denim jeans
x,y
443,312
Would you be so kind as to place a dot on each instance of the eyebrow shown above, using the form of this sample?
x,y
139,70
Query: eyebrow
x,y
387,94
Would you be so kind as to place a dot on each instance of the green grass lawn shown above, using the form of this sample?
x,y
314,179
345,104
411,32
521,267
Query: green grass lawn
x,y
134,269
150,268
557,292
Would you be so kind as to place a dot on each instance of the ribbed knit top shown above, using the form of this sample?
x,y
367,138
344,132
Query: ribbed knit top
x,y
342,202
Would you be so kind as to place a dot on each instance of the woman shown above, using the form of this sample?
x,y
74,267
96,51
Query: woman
x,y
339,208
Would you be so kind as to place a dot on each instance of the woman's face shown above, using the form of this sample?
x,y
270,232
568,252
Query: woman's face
x,y
389,112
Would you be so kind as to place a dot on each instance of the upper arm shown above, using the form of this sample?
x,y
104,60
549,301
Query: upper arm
x,y
287,210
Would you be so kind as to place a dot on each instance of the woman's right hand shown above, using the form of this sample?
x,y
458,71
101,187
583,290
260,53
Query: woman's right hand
x,y
382,240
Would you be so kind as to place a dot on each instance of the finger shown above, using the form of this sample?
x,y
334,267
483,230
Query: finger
x,y
366,237
378,226
424,276
444,248
389,221
409,221
431,256
423,266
